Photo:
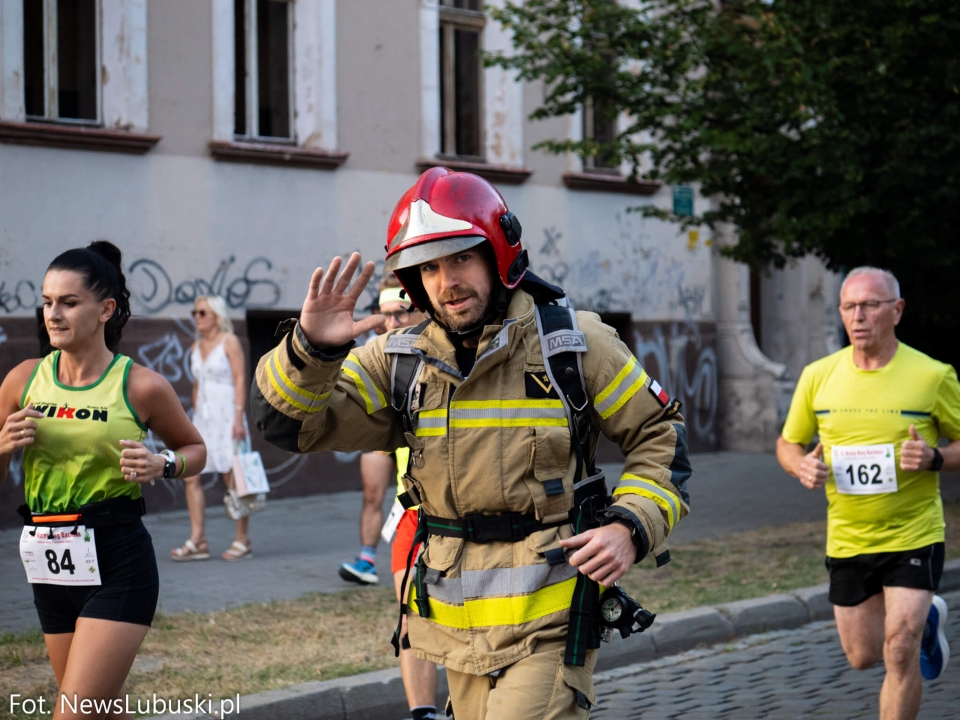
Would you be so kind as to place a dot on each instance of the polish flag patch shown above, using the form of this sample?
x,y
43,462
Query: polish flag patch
x,y
659,393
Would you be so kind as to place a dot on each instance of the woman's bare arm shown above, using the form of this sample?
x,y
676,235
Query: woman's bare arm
x,y
158,407
16,426
238,368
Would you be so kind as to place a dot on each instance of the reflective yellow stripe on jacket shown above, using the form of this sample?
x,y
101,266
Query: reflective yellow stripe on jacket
x,y
649,489
368,390
301,399
500,596
623,387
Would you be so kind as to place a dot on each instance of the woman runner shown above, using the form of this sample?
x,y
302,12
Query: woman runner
x,y
79,414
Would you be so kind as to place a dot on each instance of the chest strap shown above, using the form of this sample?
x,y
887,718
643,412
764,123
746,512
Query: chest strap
x,y
488,528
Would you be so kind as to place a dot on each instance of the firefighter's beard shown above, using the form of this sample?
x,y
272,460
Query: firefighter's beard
x,y
469,307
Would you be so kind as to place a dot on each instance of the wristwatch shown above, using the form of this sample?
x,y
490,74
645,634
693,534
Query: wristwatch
x,y
170,468
937,461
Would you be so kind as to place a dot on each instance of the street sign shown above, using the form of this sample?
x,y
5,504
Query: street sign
x,y
682,200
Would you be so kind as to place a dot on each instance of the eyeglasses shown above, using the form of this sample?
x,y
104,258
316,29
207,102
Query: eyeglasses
x,y
401,316
198,313
869,306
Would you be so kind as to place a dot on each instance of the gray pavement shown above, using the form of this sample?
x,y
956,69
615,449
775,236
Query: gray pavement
x,y
783,675
298,543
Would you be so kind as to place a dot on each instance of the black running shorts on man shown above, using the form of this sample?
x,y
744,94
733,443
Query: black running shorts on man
x,y
856,579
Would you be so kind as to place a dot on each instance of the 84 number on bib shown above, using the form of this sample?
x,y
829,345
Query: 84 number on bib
x,y
864,469
60,555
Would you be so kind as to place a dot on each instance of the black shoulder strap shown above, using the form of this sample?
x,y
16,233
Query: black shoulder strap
x,y
405,371
562,344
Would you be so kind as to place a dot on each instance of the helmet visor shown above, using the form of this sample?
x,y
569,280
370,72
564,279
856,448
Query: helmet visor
x,y
425,252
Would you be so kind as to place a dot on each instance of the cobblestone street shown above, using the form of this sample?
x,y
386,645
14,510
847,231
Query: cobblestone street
x,y
782,676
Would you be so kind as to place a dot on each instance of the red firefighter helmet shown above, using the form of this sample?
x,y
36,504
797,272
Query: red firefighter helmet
x,y
447,212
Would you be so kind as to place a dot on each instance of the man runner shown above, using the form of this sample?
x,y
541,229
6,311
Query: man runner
x,y
880,408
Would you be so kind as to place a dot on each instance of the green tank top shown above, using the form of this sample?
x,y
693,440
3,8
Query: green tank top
x,y
75,458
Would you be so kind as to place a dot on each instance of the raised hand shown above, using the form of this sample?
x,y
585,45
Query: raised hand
x,y
19,429
813,470
327,315
915,454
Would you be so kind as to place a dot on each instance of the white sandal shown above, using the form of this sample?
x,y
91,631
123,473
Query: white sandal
x,y
237,551
189,551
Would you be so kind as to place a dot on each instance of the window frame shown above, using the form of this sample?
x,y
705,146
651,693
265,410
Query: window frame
x,y
51,87
589,118
252,79
451,19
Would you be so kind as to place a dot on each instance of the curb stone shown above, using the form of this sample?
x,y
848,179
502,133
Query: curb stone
x,y
379,695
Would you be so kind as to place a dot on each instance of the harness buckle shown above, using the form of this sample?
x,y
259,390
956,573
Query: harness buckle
x,y
486,528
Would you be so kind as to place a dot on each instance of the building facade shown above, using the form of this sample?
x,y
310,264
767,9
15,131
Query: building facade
x,y
231,146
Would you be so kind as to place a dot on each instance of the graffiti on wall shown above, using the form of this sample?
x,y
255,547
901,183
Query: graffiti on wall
x,y
153,289
683,360
629,271
21,295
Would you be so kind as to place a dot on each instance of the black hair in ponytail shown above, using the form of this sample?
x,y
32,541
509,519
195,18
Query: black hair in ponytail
x,y
99,264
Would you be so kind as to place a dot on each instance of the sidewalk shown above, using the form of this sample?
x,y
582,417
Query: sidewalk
x,y
298,543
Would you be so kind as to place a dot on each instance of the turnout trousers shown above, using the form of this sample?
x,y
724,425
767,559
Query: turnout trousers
x,y
538,686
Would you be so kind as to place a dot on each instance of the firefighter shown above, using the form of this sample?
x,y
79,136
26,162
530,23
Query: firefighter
x,y
501,396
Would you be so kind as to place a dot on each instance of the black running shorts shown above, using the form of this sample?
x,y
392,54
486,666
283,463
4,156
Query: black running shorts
x,y
855,579
129,590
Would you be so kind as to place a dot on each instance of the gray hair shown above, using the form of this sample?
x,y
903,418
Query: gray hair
x,y
893,286
219,307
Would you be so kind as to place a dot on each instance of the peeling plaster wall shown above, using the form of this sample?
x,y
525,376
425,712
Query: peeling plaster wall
x,y
255,233
378,84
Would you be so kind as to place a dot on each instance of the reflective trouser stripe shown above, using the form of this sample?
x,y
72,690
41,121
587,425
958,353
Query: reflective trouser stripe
x,y
368,390
301,399
632,484
499,582
512,611
623,387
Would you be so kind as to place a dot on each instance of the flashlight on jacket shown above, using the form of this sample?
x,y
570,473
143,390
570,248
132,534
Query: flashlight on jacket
x,y
619,611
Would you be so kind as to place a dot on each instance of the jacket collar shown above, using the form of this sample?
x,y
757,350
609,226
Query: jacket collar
x,y
495,340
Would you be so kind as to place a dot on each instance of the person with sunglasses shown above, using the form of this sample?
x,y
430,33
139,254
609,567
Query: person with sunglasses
x,y
880,409
219,398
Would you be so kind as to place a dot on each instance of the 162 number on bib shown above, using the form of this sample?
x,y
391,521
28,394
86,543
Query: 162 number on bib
x,y
864,469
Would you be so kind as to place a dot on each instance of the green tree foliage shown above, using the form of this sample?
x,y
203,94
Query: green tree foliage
x,y
825,128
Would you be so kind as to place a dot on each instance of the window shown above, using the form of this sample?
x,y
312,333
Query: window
x,y
60,60
263,98
600,127
461,111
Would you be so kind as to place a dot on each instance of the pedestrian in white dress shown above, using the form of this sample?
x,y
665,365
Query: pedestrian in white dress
x,y
219,398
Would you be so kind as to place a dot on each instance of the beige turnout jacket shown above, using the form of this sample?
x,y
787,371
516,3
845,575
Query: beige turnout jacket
x,y
487,444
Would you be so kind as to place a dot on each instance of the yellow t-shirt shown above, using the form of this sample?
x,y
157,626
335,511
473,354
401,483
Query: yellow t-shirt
x,y
849,406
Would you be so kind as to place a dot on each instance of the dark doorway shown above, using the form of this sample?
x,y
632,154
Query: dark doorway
x,y
622,323
261,328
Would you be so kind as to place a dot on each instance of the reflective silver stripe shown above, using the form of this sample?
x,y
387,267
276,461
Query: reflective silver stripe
x,y
508,414
307,404
653,488
499,582
625,385
431,422
368,389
